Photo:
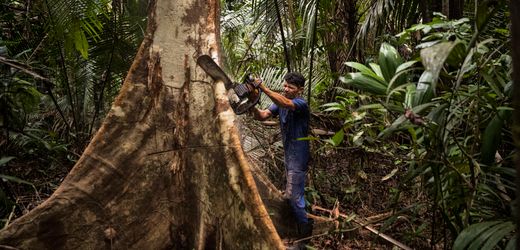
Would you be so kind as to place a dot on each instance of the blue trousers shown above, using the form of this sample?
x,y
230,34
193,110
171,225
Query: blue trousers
x,y
296,166
294,192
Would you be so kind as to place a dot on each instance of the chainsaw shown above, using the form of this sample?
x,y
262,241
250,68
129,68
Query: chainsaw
x,y
241,96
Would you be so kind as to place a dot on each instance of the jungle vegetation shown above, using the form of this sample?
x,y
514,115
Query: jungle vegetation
x,y
426,84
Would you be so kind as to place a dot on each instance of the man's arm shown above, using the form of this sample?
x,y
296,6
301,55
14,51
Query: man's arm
x,y
278,99
261,115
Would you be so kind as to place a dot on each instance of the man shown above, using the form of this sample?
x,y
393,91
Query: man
x,y
293,113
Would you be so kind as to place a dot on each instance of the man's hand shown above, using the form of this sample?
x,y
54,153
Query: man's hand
x,y
257,82
260,115
277,98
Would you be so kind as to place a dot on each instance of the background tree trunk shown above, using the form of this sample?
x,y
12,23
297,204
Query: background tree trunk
x,y
426,11
453,9
166,169
337,40
515,53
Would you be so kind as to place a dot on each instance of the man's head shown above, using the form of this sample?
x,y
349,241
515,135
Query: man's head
x,y
293,85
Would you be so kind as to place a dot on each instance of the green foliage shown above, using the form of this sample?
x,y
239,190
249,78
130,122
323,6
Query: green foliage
x,y
361,127
17,99
61,64
441,89
492,136
388,78
455,110
74,22
252,43
485,235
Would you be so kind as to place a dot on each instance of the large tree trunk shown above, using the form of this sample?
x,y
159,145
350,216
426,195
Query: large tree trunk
x,y
166,169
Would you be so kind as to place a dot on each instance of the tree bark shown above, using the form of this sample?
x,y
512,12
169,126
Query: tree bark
x,y
166,169
345,12
453,9
426,11
456,9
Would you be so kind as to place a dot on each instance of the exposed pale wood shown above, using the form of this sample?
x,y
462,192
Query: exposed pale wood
x,y
166,169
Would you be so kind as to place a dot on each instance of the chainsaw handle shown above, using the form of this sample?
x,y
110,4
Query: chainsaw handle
x,y
257,82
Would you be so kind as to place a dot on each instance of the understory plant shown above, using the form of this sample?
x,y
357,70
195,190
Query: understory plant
x,y
452,103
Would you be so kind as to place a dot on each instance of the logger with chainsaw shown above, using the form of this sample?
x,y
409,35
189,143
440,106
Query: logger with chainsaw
x,y
293,113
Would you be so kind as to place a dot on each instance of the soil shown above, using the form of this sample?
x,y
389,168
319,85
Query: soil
x,y
359,183
363,185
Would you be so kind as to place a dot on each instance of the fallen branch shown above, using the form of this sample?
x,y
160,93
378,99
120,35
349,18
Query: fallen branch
x,y
23,68
368,227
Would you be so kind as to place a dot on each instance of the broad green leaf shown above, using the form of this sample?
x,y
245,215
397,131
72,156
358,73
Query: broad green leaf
x,y
493,84
486,235
338,137
427,44
498,235
467,66
457,54
330,104
488,191
14,179
364,69
336,108
469,234
365,83
29,98
507,171
389,60
398,79
505,108
393,127
511,245
460,21
358,116
492,137
409,96
508,89
482,47
433,59
81,43
357,137
396,90
371,106
405,66
377,69
5,160
423,90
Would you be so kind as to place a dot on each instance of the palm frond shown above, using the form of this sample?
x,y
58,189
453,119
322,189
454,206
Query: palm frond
x,y
74,21
386,15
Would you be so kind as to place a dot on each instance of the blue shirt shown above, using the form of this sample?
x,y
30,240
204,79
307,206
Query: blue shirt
x,y
294,125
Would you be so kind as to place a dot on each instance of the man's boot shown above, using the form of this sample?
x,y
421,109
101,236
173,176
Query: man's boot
x,y
305,229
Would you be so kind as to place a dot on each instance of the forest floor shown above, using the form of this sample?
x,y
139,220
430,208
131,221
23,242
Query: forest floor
x,y
355,183
361,185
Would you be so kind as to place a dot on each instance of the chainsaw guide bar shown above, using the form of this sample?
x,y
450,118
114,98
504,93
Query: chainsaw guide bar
x,y
242,96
